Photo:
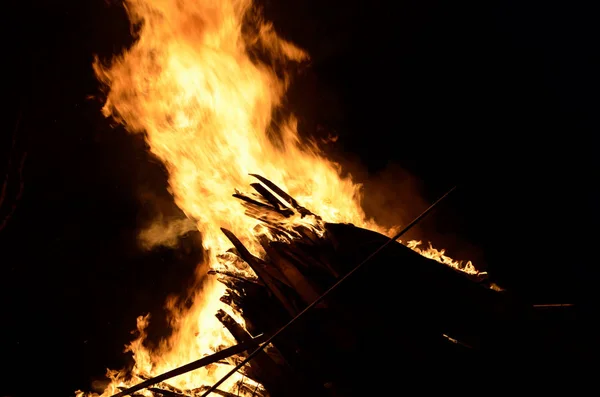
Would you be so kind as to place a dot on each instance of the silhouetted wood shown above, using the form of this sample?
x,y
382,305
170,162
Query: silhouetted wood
x,y
236,276
260,271
251,201
217,391
238,332
305,261
202,362
274,201
304,287
263,369
417,305
261,211
284,195
167,393
308,235
232,299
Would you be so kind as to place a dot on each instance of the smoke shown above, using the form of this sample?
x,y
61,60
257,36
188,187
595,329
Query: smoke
x,y
162,223
393,198
165,232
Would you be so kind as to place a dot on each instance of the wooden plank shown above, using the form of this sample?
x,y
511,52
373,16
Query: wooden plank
x,y
216,391
274,201
308,235
236,276
263,369
280,192
204,361
305,289
232,299
262,265
254,207
301,255
251,201
166,393
260,271
238,332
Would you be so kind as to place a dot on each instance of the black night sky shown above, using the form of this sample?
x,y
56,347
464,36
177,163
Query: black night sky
x,y
501,99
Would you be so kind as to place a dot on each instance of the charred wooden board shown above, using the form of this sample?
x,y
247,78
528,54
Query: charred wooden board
x,y
427,311
434,295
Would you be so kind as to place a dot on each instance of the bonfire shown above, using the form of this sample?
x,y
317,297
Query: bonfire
x,y
202,82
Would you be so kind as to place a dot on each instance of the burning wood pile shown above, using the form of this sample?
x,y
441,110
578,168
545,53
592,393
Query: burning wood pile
x,y
203,82
442,314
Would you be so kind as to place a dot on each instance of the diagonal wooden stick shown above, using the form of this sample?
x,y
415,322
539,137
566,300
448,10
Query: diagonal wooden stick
x,y
220,355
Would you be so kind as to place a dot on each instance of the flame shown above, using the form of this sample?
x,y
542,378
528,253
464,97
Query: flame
x,y
440,256
202,82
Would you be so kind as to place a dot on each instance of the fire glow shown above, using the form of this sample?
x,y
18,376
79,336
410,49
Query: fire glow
x,y
192,83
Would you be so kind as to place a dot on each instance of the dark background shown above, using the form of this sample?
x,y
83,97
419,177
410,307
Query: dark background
x,y
501,98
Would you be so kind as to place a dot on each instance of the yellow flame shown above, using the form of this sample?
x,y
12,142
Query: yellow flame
x,y
440,256
200,83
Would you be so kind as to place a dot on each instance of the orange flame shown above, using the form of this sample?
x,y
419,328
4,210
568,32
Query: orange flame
x,y
205,104
440,256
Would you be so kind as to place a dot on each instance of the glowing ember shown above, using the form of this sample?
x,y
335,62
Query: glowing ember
x,y
205,106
